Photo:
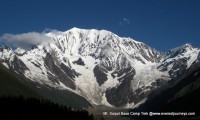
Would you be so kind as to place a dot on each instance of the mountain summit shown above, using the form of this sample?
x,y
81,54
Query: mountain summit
x,y
98,65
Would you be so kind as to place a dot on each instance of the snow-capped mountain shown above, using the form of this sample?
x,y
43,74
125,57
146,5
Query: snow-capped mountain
x,y
179,59
99,65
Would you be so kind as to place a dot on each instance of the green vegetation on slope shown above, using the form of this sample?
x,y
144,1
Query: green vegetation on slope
x,y
13,108
11,84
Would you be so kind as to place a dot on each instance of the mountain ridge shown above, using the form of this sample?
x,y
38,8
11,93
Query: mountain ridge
x,y
99,65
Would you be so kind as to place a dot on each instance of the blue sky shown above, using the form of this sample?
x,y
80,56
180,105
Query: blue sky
x,y
162,24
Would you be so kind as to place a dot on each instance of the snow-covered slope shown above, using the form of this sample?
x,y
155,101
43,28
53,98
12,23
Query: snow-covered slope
x,y
99,65
179,59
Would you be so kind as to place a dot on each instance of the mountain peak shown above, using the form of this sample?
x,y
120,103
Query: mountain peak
x,y
184,46
187,45
95,31
97,64
181,49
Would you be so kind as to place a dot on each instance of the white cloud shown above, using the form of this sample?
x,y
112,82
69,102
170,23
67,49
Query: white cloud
x,y
124,21
127,21
26,40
